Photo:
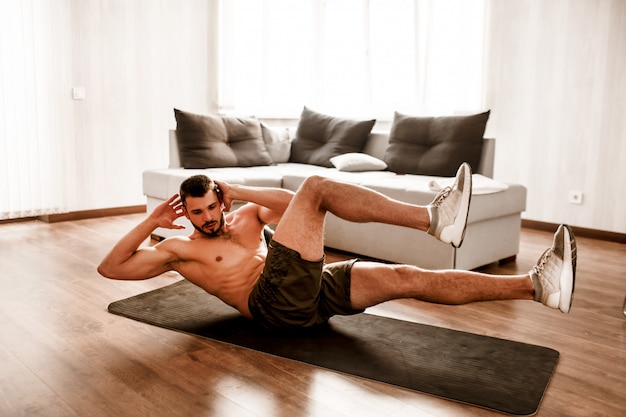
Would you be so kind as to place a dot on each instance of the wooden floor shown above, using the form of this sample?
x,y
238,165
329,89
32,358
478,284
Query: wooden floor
x,y
62,354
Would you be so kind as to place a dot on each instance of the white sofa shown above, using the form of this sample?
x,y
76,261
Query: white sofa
x,y
493,228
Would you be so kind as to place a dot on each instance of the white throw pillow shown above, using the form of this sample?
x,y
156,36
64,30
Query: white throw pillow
x,y
355,162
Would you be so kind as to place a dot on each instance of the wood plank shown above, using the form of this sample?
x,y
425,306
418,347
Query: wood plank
x,y
23,393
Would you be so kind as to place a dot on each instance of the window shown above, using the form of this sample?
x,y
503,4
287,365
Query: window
x,y
364,58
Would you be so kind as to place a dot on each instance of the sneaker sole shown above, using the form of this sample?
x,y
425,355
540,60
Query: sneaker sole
x,y
568,274
451,233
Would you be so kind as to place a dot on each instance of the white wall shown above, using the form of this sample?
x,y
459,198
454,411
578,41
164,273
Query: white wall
x,y
557,90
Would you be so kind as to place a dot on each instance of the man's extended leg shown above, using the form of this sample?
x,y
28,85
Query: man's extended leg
x,y
302,226
551,281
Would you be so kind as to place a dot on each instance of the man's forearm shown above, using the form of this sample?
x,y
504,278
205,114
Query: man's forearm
x,y
276,199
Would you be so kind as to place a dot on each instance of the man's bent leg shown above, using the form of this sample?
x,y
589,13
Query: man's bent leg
x,y
302,226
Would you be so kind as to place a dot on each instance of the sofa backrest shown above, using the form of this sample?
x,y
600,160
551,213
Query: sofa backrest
x,y
375,146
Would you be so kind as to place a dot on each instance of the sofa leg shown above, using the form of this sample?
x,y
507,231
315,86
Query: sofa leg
x,y
507,260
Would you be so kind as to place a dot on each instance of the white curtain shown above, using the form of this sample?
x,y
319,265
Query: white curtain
x,y
36,140
361,57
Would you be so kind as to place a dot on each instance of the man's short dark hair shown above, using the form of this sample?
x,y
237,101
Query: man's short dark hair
x,y
197,186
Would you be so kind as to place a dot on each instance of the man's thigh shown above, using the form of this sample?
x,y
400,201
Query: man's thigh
x,y
301,227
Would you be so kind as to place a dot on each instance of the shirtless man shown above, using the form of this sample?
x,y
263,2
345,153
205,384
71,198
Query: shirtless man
x,y
285,283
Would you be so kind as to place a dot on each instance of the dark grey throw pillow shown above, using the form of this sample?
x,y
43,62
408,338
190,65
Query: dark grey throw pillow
x,y
319,137
206,141
435,145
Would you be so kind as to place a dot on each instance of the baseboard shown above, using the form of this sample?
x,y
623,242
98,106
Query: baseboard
x,y
578,231
92,214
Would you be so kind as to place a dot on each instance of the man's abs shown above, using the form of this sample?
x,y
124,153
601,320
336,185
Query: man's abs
x,y
231,282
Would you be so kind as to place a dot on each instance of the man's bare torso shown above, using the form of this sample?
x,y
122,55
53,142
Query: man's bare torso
x,y
228,265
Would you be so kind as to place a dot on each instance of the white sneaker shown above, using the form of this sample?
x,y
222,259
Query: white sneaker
x,y
448,211
555,273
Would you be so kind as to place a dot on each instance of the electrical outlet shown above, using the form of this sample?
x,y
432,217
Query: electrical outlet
x,y
575,197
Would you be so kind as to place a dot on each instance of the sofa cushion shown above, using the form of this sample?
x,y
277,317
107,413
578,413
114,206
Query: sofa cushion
x,y
435,145
319,137
357,162
277,143
214,141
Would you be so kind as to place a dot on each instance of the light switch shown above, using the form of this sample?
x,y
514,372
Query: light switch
x,y
78,93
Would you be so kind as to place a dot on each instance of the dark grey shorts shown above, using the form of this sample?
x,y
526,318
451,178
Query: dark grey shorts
x,y
294,293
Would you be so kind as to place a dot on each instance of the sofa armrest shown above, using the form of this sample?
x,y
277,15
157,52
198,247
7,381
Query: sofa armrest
x,y
174,156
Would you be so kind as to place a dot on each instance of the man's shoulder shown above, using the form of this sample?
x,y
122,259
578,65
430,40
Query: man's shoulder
x,y
245,209
178,246
173,241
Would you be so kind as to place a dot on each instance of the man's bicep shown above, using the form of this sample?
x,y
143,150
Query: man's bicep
x,y
268,216
146,262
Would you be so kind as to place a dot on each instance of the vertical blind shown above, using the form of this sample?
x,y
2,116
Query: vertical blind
x,y
35,113
362,57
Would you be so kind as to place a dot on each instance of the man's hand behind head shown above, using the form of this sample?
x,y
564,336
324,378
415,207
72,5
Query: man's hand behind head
x,y
167,212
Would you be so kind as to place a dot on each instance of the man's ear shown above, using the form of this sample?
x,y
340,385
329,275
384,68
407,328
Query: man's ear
x,y
185,212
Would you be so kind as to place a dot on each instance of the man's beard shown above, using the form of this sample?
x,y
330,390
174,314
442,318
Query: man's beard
x,y
212,233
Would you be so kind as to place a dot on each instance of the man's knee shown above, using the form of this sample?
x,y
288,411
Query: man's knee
x,y
314,183
313,187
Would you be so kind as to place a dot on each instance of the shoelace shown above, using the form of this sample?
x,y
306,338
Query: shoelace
x,y
538,269
443,194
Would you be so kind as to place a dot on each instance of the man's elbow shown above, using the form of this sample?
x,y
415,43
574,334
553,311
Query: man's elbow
x,y
102,270
106,271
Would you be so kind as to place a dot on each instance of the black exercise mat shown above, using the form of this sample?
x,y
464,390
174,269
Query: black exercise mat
x,y
493,373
